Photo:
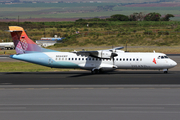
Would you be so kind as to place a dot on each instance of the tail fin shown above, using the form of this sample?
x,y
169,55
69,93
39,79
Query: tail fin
x,y
22,42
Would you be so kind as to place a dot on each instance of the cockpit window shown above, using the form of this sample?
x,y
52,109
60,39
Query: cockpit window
x,y
162,57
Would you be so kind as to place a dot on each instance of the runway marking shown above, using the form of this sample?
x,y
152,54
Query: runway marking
x,y
16,88
74,88
13,108
103,88
119,88
137,107
90,88
134,88
150,88
30,88
45,88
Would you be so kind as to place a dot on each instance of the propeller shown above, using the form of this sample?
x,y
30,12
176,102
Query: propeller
x,y
113,54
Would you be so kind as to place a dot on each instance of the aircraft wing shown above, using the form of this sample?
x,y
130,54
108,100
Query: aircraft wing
x,y
116,48
109,53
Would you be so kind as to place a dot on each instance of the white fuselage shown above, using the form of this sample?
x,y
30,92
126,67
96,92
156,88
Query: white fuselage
x,y
124,60
7,45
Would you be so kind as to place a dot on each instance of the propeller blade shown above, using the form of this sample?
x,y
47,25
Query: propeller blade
x,y
114,55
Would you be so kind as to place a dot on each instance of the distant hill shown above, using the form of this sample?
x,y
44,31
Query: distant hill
x,y
116,1
75,9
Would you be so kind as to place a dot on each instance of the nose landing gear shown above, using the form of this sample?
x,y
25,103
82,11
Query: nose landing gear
x,y
165,71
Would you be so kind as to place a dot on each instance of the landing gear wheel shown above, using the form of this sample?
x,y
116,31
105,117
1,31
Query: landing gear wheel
x,y
96,71
165,71
100,71
92,71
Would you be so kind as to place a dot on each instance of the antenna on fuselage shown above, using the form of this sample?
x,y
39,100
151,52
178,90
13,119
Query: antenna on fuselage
x,y
126,47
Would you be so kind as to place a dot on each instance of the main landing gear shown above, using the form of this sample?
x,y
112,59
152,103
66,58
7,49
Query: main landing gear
x,y
96,71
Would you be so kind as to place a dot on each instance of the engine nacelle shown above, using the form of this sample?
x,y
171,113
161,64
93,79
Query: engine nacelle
x,y
106,54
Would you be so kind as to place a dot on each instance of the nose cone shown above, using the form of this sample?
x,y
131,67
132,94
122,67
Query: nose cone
x,y
173,63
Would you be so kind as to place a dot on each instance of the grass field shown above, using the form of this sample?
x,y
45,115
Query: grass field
x,y
26,67
102,33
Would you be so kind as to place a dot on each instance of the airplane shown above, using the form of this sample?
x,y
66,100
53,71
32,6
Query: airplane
x,y
7,45
95,61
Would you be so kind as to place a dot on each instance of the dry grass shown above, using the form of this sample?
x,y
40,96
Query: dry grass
x,y
26,67
162,49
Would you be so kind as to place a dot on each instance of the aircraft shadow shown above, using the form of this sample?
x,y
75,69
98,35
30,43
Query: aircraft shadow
x,y
86,78
88,73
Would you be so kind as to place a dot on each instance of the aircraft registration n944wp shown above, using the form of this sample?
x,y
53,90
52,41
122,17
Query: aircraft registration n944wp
x,y
95,61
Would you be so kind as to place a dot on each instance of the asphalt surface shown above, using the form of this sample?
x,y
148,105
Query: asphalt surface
x,y
86,78
154,102
80,95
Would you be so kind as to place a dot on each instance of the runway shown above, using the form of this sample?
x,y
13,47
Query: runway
x,y
44,102
80,95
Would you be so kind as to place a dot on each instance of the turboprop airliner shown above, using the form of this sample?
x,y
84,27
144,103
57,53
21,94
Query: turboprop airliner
x,y
95,61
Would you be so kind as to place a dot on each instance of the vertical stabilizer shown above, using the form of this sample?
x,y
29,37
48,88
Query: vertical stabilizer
x,y
22,42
